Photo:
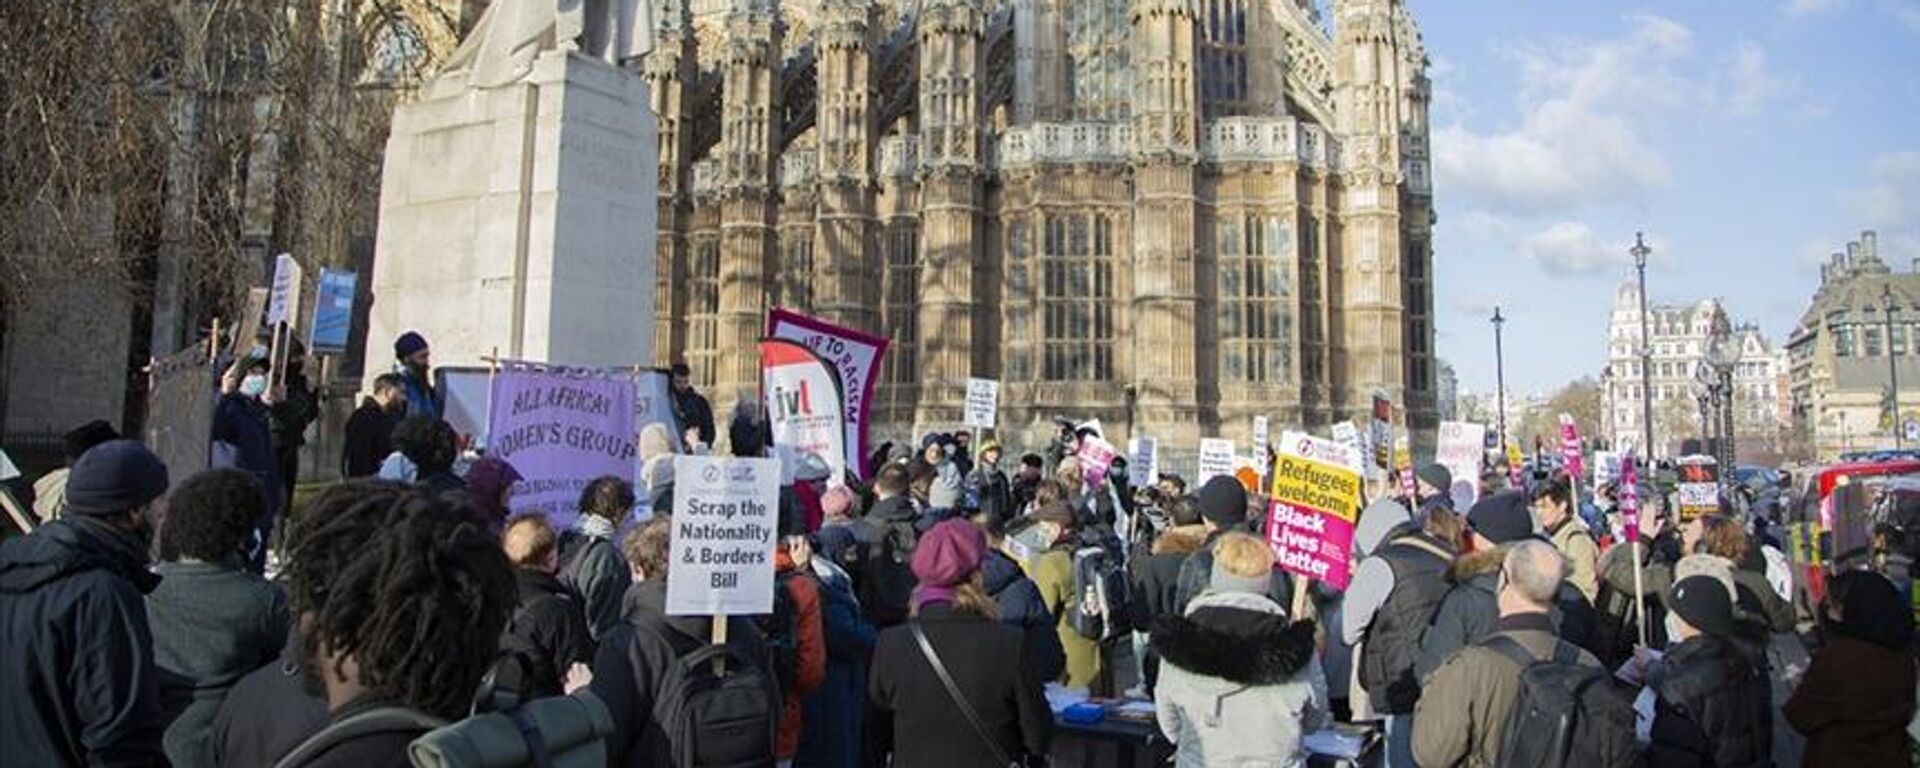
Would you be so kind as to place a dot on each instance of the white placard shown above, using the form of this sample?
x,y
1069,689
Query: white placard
x,y
1463,446
1216,458
284,300
983,403
7,469
1309,447
725,514
1260,433
1348,435
1143,461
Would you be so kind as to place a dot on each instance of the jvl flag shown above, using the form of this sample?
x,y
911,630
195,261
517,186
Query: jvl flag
x,y
804,406
1310,525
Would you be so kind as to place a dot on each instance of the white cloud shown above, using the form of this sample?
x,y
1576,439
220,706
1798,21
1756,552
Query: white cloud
x,y
1751,85
1585,107
1905,11
1893,197
1570,248
1811,7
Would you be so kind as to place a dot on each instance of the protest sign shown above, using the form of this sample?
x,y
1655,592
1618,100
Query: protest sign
x,y
1516,466
283,301
249,329
1698,492
1462,448
1260,435
180,405
1310,528
1570,449
1382,431
1403,464
725,514
332,312
1216,458
8,470
855,355
1143,461
1096,457
1606,467
1630,497
467,391
803,407
1309,447
983,403
1348,435
561,428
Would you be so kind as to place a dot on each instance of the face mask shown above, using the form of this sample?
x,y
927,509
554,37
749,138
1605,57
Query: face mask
x,y
1673,629
253,386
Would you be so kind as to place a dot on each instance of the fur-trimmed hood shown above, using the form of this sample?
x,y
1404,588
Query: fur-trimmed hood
x,y
1243,639
1180,540
1481,563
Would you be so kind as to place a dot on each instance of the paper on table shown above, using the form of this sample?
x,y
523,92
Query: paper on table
x,y
1334,743
1059,697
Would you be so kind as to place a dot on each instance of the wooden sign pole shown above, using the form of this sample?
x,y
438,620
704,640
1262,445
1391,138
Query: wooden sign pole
x,y
719,637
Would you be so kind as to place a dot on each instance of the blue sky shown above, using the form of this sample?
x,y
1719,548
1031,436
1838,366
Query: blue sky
x,y
1748,138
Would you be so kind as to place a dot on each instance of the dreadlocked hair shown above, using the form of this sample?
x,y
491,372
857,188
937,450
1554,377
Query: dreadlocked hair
x,y
408,586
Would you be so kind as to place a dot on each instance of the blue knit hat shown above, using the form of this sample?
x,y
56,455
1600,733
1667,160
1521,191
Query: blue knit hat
x,y
115,477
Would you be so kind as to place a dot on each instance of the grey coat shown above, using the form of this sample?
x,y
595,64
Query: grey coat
x,y
212,624
1239,684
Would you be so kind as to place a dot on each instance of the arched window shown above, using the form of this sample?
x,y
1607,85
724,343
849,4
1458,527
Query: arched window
x,y
1256,297
1098,81
703,308
902,319
1223,58
1076,297
1018,354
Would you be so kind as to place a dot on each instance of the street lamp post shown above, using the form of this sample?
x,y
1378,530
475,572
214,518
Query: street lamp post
x,y
1723,354
1640,252
1893,368
1500,377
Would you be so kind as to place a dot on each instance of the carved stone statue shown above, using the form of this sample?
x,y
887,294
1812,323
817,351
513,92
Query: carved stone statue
x,y
511,33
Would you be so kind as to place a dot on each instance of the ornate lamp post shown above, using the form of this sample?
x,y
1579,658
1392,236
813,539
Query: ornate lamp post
x,y
1723,353
1893,367
1640,252
1500,377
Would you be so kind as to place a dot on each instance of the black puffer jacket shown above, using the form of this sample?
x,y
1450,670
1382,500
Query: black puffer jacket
x,y
1714,708
1022,608
1468,612
76,655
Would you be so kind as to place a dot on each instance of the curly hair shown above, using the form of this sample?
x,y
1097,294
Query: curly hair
x,y
407,585
646,546
607,497
427,442
212,515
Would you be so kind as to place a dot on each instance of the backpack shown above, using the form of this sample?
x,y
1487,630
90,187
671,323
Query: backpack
x,y
781,630
886,579
1101,594
717,704
1566,715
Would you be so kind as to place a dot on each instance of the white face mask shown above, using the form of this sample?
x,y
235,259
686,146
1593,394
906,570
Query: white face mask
x,y
253,386
1673,629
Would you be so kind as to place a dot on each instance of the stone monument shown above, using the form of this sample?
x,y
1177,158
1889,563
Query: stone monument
x,y
517,211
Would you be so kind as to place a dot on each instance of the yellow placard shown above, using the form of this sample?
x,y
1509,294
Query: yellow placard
x,y
1309,484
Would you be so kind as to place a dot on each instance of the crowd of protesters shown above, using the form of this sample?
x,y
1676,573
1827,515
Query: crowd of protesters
x,y
920,615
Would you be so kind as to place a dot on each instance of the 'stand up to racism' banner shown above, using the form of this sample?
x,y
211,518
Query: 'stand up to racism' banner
x,y
855,355
803,401
1315,505
561,429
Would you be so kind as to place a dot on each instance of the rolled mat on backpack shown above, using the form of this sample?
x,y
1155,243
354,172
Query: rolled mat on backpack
x,y
573,729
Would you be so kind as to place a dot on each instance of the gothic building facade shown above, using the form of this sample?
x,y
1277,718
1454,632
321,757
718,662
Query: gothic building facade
x,y
1171,215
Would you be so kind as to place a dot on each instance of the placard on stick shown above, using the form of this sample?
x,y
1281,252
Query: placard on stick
x,y
1216,458
983,403
1310,527
725,513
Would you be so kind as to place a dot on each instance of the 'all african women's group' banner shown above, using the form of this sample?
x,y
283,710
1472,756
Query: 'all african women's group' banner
x,y
561,429
803,404
1315,506
854,354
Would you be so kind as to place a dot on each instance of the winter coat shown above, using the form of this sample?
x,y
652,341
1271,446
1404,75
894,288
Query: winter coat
x,y
292,415
1462,715
212,624
1156,572
632,665
422,398
369,439
1854,704
988,488
929,730
1022,608
1053,574
1713,708
1197,572
892,516
833,725
1416,564
1618,631
267,714
1468,613
947,486
810,652
245,424
592,566
1237,683
1372,581
385,748
1576,544
692,411
76,655
549,626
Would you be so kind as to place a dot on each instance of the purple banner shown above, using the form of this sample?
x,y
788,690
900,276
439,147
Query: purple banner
x,y
561,429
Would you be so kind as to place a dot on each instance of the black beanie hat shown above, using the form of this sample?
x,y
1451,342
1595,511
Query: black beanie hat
x,y
408,343
115,477
1223,502
1437,476
1503,517
1704,603
84,437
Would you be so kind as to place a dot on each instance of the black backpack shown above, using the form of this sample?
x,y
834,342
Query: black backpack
x,y
718,705
1101,594
782,632
1566,715
885,577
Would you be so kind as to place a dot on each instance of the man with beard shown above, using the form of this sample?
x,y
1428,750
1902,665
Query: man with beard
x,y
690,409
416,372
76,653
